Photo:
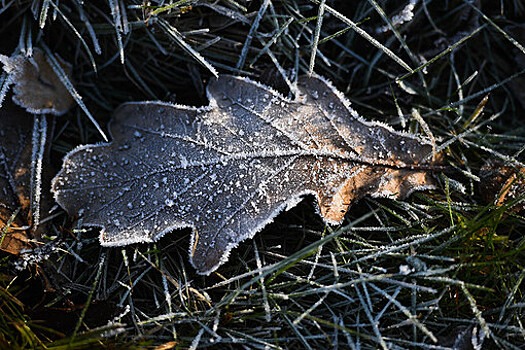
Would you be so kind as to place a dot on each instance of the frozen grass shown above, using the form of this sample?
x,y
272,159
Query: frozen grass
x,y
441,269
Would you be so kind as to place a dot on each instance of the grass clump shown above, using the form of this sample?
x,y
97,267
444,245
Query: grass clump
x,y
443,269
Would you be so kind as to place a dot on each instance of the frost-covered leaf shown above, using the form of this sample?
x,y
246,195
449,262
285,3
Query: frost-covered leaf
x,y
17,179
228,169
37,87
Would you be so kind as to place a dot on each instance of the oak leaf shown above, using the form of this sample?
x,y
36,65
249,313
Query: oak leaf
x,y
37,87
226,170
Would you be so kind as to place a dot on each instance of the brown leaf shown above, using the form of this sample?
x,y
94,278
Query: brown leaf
x,y
37,87
501,184
16,162
228,169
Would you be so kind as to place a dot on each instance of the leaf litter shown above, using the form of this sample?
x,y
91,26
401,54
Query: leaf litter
x,y
24,148
350,322
37,87
503,184
228,169
24,193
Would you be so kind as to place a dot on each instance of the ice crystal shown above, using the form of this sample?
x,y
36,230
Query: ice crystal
x,y
37,87
226,170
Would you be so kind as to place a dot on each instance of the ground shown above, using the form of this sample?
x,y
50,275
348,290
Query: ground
x,y
441,269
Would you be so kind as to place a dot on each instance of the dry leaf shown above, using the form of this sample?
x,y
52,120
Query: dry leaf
x,y
228,169
501,184
37,87
16,162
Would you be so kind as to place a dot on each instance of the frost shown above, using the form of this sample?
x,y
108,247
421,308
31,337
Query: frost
x,y
24,184
37,87
406,15
234,165
32,257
